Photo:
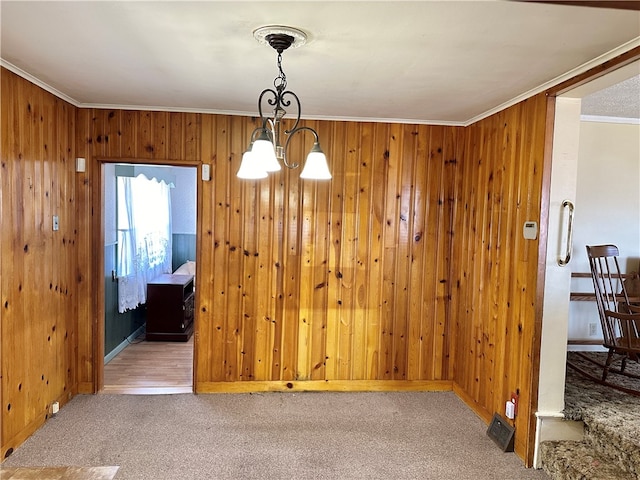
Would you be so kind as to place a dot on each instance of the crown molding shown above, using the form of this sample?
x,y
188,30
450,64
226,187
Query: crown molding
x,y
36,81
559,79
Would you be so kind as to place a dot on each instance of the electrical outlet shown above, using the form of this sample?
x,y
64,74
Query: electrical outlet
x,y
55,407
509,410
593,329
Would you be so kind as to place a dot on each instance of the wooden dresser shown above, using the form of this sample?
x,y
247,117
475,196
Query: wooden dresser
x,y
170,303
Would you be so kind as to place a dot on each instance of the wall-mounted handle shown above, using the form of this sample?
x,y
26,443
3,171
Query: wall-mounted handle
x,y
569,248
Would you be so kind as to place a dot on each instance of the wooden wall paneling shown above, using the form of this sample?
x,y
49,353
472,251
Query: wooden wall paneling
x,y
404,221
332,345
129,135
304,206
222,246
489,225
205,327
84,269
240,347
250,292
144,147
342,265
486,320
67,326
441,280
364,320
6,119
513,145
112,134
257,353
432,251
462,265
536,110
478,261
235,144
359,197
49,191
347,307
175,132
502,229
191,137
390,208
456,179
160,134
34,247
99,147
494,339
281,346
377,221
451,153
38,291
287,293
321,277
417,238
14,162
465,363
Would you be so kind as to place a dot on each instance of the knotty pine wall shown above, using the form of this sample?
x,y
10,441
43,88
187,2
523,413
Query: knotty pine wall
x,y
494,269
38,269
407,270
327,282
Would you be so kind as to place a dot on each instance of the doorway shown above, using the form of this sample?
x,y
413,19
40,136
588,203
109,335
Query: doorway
x,y
132,363
583,171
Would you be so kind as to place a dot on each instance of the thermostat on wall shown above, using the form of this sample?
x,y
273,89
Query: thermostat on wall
x,y
530,230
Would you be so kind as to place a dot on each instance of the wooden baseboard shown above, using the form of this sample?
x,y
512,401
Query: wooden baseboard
x,y
18,439
85,388
324,386
472,404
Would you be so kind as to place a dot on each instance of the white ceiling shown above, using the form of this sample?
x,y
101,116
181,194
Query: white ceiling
x,y
440,62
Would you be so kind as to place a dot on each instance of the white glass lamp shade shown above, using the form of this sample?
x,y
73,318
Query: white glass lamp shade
x,y
250,168
265,154
316,167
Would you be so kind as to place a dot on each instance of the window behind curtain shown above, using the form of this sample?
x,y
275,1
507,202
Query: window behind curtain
x,y
144,237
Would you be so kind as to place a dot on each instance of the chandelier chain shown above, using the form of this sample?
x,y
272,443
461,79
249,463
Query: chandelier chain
x,y
280,82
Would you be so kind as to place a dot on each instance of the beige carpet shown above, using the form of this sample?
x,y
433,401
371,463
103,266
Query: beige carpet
x,y
377,435
58,473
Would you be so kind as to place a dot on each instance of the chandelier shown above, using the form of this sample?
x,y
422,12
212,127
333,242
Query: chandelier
x,y
266,151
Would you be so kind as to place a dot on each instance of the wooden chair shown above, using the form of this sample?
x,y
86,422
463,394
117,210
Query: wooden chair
x,y
619,317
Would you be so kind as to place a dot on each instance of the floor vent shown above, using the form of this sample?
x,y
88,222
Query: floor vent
x,y
501,432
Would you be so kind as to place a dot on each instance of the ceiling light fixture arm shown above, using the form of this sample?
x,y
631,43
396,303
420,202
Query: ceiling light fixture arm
x,y
279,99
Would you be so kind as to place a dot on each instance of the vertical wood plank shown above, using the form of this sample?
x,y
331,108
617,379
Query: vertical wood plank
x,y
37,270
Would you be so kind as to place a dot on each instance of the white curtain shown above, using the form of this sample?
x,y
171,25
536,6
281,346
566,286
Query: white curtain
x,y
144,237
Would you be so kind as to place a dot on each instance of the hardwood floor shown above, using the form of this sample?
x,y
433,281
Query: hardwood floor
x,y
58,473
151,368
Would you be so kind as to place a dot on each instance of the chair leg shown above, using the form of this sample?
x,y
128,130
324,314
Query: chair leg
x,y
624,363
607,364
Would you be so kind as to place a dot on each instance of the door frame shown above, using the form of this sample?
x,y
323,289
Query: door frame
x,y
97,235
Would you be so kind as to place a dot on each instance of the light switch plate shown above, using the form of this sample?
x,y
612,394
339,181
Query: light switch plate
x,y
206,172
56,223
530,230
